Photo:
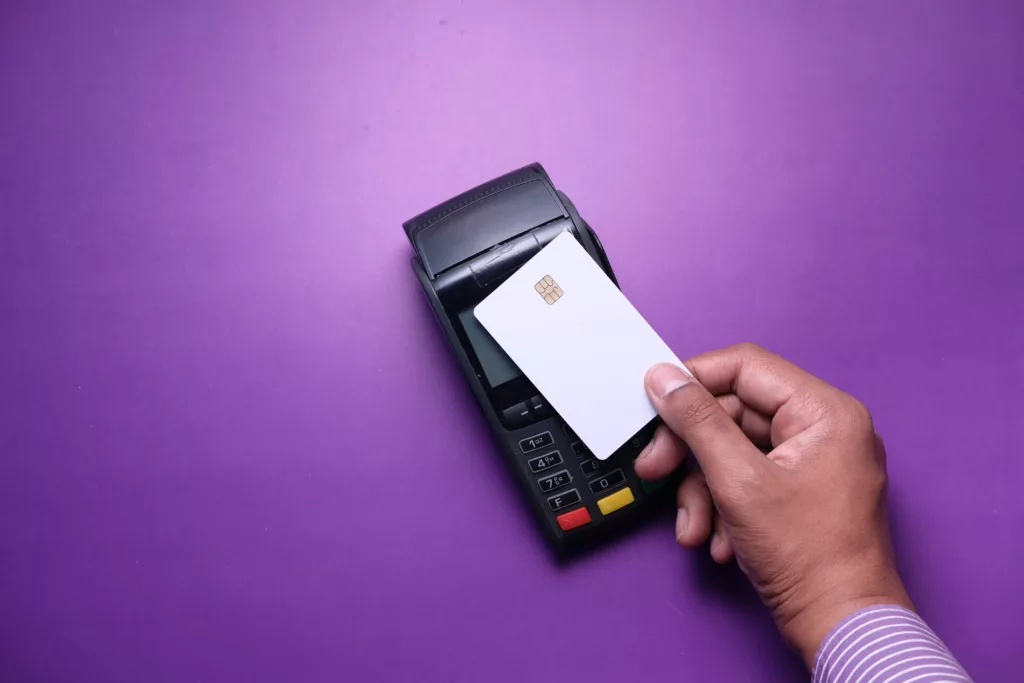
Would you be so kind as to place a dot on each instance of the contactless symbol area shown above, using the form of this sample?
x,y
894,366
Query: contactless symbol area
x,y
548,289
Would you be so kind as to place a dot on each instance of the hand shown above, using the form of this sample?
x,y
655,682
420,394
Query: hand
x,y
807,522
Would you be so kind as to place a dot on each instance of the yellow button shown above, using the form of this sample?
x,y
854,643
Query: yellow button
x,y
617,500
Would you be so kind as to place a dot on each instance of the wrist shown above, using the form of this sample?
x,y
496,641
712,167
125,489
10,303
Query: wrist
x,y
842,594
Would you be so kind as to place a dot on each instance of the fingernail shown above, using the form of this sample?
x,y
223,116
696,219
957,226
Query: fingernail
x,y
682,521
666,378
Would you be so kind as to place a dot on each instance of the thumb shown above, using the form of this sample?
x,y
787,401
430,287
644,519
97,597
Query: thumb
x,y
724,452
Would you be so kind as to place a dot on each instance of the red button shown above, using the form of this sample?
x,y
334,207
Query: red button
x,y
571,520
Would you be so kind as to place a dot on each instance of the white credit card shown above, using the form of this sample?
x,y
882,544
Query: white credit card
x,y
578,339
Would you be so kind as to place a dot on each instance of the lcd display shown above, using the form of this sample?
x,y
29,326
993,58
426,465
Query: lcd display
x,y
497,366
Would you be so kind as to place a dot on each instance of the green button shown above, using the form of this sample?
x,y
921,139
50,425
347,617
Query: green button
x,y
652,486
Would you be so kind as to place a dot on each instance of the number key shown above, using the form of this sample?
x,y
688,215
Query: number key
x,y
580,449
546,461
532,443
555,481
590,467
610,480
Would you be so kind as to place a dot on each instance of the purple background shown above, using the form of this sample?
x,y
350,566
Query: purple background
x,y
232,443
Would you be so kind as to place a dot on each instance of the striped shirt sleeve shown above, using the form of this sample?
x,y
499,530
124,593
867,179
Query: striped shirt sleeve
x,y
884,644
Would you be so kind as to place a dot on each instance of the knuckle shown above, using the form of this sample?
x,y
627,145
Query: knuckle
x,y
744,484
817,405
735,495
699,411
880,479
749,349
867,479
856,417
862,415
753,480
692,492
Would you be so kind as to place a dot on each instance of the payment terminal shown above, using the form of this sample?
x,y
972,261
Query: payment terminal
x,y
465,248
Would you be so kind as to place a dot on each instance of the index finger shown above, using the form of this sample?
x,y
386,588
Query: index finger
x,y
761,379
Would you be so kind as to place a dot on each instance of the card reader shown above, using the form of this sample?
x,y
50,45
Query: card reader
x,y
465,248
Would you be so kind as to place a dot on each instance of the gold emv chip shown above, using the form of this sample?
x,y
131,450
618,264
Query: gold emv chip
x,y
548,289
